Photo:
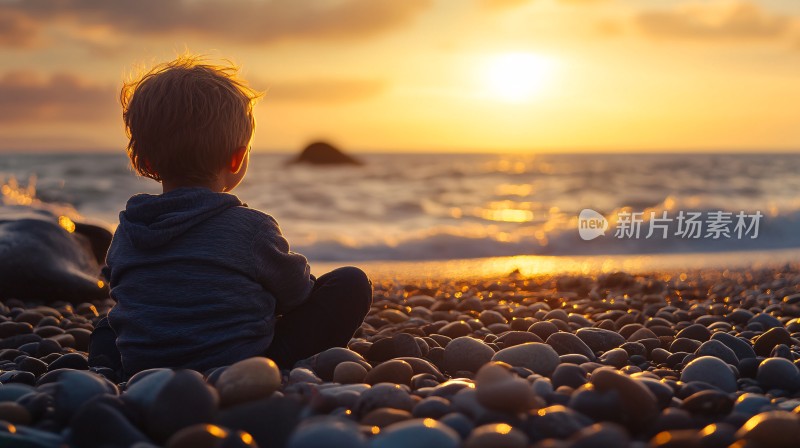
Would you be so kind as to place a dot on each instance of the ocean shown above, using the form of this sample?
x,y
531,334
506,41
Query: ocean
x,y
457,206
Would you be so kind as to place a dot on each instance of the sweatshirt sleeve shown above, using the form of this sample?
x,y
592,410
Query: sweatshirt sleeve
x,y
285,274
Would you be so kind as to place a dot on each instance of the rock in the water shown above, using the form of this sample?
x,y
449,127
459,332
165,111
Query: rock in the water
x,y
466,354
539,358
710,370
249,379
323,153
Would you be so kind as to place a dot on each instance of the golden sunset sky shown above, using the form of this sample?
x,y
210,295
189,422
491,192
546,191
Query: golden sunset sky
x,y
423,75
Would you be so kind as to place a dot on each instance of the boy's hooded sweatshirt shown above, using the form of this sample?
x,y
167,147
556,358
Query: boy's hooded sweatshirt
x,y
198,279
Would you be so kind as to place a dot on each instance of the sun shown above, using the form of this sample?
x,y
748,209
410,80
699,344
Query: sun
x,y
517,77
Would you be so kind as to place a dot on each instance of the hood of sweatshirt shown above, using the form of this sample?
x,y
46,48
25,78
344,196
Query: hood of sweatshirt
x,y
151,221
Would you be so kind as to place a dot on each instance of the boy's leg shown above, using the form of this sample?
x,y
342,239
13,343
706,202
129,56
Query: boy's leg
x,y
335,309
103,347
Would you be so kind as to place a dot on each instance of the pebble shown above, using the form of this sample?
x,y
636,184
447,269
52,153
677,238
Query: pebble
x,y
778,373
696,332
246,380
401,344
511,395
394,371
709,403
600,340
568,344
14,413
496,435
384,395
767,341
419,433
539,358
324,363
466,354
710,370
512,338
639,404
384,417
209,436
600,435
74,388
740,348
349,373
329,433
543,329
455,329
183,400
751,404
470,354
778,429
718,350
569,375
303,375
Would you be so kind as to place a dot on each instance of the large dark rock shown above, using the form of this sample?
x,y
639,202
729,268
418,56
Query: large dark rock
x,y
48,257
323,153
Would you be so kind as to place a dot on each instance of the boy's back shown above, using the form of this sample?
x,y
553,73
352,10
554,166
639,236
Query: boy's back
x,y
201,280
197,277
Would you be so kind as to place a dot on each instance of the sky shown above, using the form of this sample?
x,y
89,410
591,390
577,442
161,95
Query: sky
x,y
423,75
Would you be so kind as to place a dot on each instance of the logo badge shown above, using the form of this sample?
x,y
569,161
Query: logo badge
x,y
591,224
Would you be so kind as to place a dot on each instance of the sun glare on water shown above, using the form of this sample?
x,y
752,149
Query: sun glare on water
x,y
517,77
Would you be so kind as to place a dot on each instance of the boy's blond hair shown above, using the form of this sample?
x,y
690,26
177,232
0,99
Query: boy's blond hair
x,y
185,119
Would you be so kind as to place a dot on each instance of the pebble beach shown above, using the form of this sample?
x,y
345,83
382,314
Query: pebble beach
x,y
703,358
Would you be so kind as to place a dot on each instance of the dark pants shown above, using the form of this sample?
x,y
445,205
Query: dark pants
x,y
333,311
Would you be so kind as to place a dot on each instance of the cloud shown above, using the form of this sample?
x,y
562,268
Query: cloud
x,y
719,22
63,97
253,21
324,90
508,4
17,30
501,4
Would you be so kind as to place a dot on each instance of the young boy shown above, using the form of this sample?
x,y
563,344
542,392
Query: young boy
x,y
201,280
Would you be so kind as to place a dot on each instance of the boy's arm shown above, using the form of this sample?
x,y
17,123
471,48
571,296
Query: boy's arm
x,y
285,274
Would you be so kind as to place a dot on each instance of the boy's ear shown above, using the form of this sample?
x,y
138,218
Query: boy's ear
x,y
237,159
